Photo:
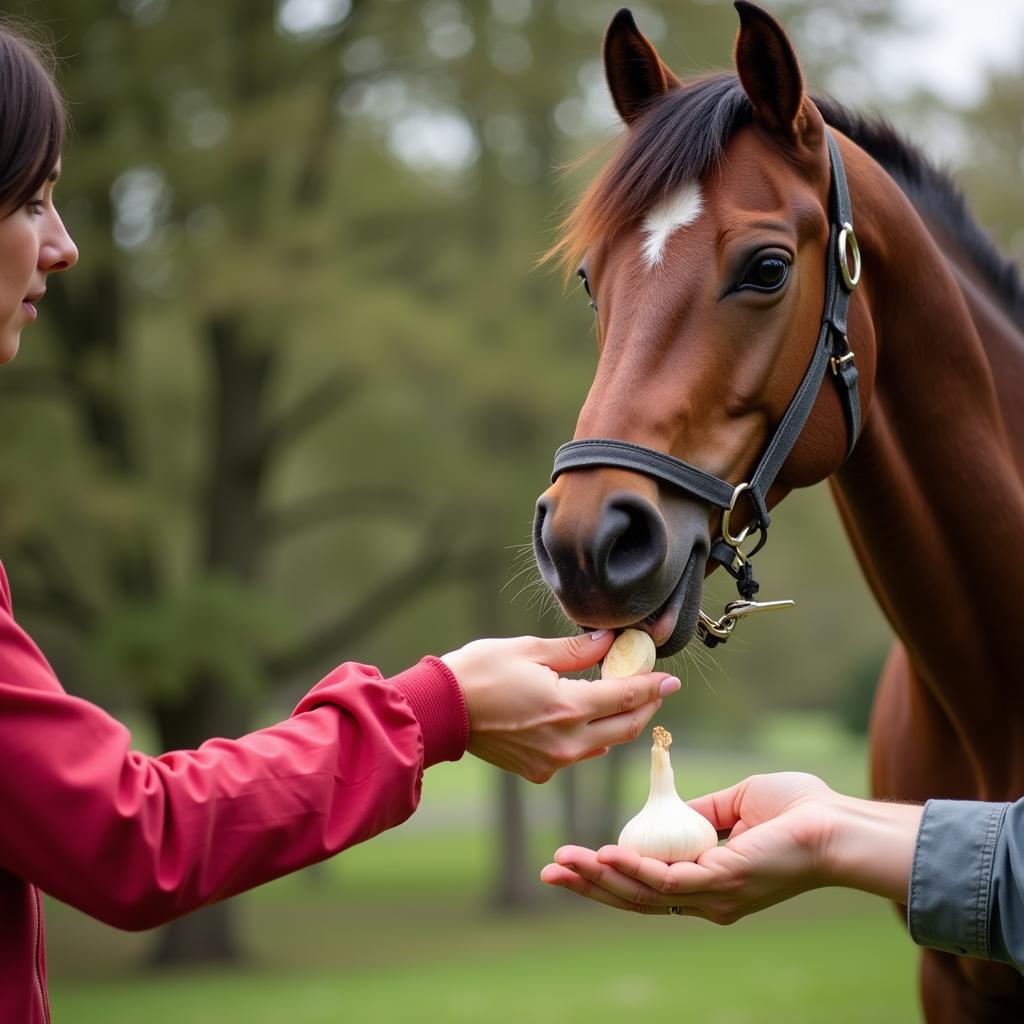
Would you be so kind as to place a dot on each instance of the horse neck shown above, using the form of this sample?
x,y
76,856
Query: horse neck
x,y
932,497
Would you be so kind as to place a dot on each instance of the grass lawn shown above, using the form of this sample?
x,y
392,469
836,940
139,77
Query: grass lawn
x,y
398,929
827,957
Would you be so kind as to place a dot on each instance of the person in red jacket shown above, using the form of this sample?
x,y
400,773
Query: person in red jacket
x,y
135,840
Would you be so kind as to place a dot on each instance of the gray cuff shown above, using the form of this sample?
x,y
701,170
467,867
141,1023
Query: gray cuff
x,y
950,900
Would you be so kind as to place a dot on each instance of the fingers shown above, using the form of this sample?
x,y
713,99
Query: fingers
x,y
722,808
572,653
671,880
616,729
621,878
565,878
601,876
576,868
604,697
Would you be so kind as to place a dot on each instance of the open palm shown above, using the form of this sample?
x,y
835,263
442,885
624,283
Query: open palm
x,y
779,827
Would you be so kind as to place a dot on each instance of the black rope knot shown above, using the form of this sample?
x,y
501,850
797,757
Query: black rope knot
x,y
745,582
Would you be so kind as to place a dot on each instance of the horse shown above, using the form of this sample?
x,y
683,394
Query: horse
x,y
709,246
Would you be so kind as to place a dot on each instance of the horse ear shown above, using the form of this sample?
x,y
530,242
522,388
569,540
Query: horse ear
x,y
635,72
769,72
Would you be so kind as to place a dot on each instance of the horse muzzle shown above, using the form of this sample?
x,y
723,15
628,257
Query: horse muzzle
x,y
630,562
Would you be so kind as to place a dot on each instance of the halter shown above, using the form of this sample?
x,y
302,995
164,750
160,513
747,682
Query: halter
x,y
831,351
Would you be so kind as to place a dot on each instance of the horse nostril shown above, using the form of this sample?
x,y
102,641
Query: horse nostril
x,y
631,544
540,544
614,561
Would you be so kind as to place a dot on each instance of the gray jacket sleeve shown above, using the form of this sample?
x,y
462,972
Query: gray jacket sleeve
x,y
967,882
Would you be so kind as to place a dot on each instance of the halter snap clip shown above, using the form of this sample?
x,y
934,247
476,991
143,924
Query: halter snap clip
x,y
714,631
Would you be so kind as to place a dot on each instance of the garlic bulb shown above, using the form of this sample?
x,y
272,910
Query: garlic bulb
x,y
667,828
631,653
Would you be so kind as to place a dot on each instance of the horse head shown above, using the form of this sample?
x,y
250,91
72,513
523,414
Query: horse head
x,y
705,247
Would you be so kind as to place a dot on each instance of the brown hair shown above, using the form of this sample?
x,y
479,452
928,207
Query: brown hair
x,y
32,117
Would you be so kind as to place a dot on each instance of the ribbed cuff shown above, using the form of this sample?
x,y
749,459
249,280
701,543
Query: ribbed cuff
x,y
436,699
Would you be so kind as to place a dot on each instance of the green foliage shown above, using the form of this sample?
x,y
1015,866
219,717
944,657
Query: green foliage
x,y
993,158
857,697
208,628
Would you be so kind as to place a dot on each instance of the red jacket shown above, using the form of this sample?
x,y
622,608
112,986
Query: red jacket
x,y
136,841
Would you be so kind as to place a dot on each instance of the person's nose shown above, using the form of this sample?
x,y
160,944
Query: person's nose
x,y
59,251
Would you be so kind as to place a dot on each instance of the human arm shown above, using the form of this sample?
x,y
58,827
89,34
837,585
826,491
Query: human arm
x,y
136,840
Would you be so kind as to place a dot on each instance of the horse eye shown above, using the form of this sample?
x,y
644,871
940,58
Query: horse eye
x,y
582,275
766,274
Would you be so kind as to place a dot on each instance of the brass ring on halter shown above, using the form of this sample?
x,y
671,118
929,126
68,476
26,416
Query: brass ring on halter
x,y
847,237
734,542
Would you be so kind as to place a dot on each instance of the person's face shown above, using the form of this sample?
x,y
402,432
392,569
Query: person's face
x,y
33,244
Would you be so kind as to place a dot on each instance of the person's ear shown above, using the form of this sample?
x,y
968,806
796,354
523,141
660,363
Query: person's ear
x,y
635,73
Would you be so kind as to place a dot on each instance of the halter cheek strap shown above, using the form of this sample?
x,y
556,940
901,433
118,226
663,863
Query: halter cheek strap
x,y
832,352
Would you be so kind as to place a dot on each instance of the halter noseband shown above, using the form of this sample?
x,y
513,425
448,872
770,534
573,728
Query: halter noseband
x,y
831,351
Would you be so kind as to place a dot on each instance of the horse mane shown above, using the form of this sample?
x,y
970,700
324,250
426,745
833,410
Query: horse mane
x,y
683,135
934,195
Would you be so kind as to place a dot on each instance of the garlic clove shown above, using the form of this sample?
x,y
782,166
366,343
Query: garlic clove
x,y
631,653
667,828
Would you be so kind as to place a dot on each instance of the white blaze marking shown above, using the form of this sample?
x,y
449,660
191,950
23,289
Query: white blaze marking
x,y
681,209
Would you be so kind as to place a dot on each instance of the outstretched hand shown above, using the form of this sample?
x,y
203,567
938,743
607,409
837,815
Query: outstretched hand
x,y
526,717
787,833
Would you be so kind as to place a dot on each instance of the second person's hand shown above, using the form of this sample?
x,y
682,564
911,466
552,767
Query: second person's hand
x,y
788,832
527,718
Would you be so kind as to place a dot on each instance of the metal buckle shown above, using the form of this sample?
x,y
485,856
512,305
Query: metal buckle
x,y
846,235
838,364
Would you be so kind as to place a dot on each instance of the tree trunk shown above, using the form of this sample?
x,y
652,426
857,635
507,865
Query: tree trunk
x,y
206,935
610,817
231,512
591,800
570,791
515,887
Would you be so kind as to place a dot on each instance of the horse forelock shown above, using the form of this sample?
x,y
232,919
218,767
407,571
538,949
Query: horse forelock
x,y
670,148
684,134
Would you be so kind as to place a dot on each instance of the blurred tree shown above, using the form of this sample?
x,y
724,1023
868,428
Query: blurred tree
x,y
202,167
994,161
853,707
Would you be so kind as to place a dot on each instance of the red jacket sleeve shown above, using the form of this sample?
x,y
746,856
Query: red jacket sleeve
x,y
136,840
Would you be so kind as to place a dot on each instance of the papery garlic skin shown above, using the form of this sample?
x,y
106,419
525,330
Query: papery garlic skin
x,y
667,828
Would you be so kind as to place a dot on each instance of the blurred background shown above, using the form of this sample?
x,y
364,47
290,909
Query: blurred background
x,y
294,407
